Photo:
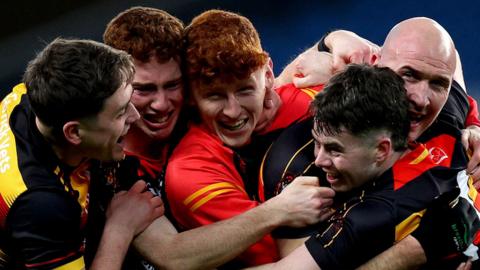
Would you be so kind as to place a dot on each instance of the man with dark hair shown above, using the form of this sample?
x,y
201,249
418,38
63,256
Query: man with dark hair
x,y
74,105
153,37
422,52
361,128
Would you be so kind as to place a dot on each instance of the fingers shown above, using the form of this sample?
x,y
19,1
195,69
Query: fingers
x,y
306,180
325,192
156,201
159,208
326,213
301,82
338,63
474,161
268,103
138,187
465,136
476,184
356,58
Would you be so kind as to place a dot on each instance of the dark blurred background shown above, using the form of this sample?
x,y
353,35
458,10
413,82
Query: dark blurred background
x,y
286,27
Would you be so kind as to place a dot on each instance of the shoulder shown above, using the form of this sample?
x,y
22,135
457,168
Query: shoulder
x,y
45,207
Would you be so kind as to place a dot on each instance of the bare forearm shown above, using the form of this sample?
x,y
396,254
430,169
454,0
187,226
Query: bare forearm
x,y
205,247
406,254
112,249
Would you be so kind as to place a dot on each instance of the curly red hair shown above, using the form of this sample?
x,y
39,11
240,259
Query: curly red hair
x,y
143,32
221,45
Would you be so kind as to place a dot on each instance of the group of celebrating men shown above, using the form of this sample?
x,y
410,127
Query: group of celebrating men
x,y
176,147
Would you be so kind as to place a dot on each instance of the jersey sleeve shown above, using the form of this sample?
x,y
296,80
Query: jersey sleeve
x,y
295,105
354,236
472,116
203,190
44,226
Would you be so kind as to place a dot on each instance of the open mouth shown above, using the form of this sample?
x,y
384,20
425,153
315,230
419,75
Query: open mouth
x,y
120,140
415,118
234,126
332,177
157,120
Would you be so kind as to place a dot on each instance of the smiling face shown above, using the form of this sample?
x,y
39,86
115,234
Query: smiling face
x,y
232,109
158,97
348,161
428,84
425,58
102,135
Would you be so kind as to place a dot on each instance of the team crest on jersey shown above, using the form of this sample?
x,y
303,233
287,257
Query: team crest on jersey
x,y
437,155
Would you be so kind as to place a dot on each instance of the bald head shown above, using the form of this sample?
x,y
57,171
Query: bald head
x,y
423,38
422,53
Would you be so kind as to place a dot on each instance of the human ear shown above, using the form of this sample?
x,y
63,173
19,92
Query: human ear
x,y
383,149
71,131
269,77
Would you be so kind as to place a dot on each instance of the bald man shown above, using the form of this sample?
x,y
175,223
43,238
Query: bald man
x,y
423,54
437,55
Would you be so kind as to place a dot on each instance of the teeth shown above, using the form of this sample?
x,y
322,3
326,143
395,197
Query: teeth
x,y
158,120
235,125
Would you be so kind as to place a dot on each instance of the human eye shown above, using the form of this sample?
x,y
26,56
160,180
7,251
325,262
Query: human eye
x,y
174,85
143,89
213,96
333,150
245,91
407,75
439,85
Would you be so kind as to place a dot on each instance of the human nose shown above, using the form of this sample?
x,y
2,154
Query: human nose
x,y
159,101
322,160
232,107
418,95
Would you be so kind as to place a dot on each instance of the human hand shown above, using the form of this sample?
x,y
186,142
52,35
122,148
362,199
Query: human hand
x,y
271,104
471,142
447,227
312,68
133,210
347,47
465,265
303,202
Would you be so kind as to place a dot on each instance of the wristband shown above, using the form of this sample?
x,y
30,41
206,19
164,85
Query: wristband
x,y
321,46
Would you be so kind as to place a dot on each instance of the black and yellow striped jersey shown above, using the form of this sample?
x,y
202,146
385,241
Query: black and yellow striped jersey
x,y
43,203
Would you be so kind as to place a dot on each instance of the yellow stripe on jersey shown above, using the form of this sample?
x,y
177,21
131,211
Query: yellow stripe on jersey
x,y
263,163
77,264
11,181
310,92
294,156
209,197
473,194
206,189
420,158
408,225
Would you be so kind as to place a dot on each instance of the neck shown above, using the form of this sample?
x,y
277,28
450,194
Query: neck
x,y
136,142
65,152
390,161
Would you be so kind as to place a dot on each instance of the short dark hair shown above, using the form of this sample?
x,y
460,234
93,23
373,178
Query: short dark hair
x,y
363,99
71,79
144,32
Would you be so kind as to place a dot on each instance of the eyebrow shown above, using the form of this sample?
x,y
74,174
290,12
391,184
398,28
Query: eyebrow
x,y
143,85
335,146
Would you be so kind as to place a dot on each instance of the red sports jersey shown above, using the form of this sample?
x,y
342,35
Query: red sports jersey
x,y
203,184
